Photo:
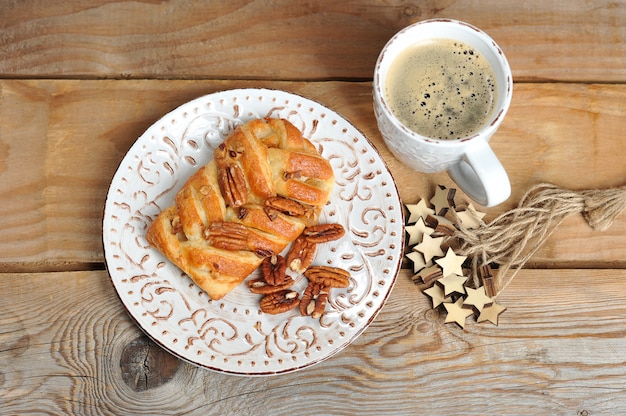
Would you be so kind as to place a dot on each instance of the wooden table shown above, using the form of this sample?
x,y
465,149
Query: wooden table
x,y
80,82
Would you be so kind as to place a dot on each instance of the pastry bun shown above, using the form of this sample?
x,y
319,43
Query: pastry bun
x,y
265,184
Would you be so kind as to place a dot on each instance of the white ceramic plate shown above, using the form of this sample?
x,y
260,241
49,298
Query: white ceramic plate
x,y
232,335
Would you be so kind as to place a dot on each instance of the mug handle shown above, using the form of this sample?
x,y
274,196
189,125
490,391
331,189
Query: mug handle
x,y
481,175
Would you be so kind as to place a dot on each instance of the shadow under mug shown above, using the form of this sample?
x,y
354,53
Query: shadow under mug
x,y
469,161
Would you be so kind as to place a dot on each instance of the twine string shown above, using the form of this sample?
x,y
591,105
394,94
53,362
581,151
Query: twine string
x,y
512,238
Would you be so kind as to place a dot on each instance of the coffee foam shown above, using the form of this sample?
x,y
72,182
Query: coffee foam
x,y
441,89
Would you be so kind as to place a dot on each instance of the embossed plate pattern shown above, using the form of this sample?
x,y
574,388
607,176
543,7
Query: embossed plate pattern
x,y
232,335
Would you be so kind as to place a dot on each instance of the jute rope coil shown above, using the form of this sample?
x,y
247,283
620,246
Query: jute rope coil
x,y
511,239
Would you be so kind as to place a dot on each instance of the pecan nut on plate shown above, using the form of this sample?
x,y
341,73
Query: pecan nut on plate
x,y
230,177
227,235
313,302
303,249
261,287
274,276
279,302
286,206
323,233
328,276
274,269
301,254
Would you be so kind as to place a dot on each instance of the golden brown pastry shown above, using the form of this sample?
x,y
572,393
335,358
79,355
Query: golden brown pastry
x,y
264,185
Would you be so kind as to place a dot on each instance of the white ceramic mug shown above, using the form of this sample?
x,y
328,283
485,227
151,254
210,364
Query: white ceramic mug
x,y
469,161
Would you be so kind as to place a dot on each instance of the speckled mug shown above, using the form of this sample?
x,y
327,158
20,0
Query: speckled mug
x,y
469,161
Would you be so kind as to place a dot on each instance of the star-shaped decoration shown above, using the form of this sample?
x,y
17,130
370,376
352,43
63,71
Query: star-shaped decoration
x,y
457,313
451,263
453,283
417,230
477,298
431,222
443,199
418,210
491,313
445,226
470,218
436,295
417,259
441,225
479,214
429,274
430,247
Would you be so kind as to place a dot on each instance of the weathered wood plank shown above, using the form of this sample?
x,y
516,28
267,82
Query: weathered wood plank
x,y
566,41
558,350
62,141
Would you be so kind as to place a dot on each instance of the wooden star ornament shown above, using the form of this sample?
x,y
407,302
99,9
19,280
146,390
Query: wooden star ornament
x,y
421,209
470,218
436,295
441,225
430,247
451,263
457,313
453,283
443,199
418,260
491,313
432,229
417,230
477,298
428,275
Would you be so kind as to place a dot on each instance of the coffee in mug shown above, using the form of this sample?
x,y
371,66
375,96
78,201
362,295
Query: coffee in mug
x,y
441,88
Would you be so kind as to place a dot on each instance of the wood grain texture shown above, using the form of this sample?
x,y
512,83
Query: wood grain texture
x,y
60,155
558,350
558,40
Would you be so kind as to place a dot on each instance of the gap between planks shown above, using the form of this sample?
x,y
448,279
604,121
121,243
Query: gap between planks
x,y
50,267
53,267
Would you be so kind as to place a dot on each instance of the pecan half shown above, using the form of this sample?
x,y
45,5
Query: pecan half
x,y
227,235
272,214
279,302
323,233
261,287
328,276
177,228
301,254
286,206
274,269
232,183
313,302
263,252
227,154
242,213
296,174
